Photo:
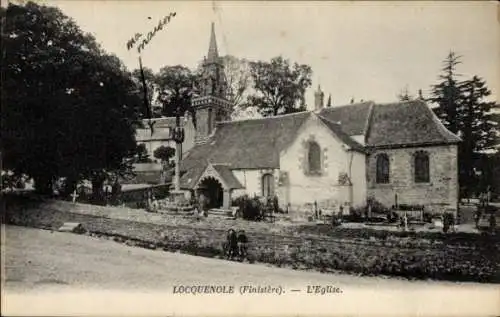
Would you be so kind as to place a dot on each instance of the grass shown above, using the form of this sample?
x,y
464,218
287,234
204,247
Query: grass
x,y
458,257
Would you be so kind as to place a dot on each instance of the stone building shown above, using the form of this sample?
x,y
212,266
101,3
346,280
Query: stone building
x,y
397,153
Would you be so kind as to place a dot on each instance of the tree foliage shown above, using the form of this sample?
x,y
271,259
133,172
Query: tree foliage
x,y
176,87
447,94
464,110
238,79
279,86
68,108
152,89
141,154
164,153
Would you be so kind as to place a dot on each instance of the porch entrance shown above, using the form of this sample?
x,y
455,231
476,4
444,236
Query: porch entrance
x,y
212,189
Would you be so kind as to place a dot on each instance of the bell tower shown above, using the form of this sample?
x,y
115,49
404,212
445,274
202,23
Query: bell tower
x,y
211,105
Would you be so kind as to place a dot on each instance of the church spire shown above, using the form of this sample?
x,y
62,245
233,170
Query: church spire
x,y
213,53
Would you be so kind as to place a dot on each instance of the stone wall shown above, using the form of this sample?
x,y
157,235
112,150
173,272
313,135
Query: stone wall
x,y
438,195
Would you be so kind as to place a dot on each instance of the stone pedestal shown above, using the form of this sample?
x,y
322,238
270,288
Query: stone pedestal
x,y
226,201
177,196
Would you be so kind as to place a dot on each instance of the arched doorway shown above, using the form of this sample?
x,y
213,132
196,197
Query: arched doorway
x,y
212,189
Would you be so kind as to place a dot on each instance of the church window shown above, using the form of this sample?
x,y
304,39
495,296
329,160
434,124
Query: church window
x,y
267,185
383,167
314,158
421,167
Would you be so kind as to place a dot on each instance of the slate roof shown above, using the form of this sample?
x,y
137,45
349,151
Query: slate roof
x,y
228,176
337,129
353,117
408,123
248,144
256,143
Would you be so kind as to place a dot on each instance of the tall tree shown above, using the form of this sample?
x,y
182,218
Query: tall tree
x,y
279,86
176,87
68,109
464,110
447,94
238,79
477,129
152,90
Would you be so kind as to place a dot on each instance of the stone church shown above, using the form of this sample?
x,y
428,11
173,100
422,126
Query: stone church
x,y
397,153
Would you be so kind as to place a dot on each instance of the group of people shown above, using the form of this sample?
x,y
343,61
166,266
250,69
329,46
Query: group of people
x,y
236,245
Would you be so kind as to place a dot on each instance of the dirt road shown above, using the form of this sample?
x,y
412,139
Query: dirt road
x,y
44,262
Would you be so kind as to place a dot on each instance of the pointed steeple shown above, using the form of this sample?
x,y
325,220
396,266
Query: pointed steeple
x,y
329,102
213,53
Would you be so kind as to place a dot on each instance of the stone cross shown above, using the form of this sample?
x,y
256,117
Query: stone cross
x,y
74,196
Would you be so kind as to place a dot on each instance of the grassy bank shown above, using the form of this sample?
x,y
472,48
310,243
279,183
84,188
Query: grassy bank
x,y
326,250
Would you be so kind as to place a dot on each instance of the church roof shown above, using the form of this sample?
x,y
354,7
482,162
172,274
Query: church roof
x,y
409,123
353,117
227,176
248,144
256,143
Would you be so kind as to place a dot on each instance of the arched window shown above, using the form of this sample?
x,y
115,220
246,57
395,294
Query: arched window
x,y
267,185
421,167
314,158
383,169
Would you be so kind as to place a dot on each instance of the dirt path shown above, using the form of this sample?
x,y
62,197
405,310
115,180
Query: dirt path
x,y
38,261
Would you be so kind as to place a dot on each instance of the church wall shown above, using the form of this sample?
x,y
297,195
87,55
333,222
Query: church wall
x,y
251,179
440,194
303,188
358,178
359,138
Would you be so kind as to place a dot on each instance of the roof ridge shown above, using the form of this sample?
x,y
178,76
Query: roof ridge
x,y
265,118
349,105
344,137
441,127
331,121
368,123
393,103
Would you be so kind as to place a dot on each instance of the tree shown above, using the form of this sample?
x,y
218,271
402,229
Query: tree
x,y
280,87
152,89
447,94
141,154
462,108
238,79
164,153
175,90
68,108
476,127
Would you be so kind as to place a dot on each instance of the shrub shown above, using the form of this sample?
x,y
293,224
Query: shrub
x,y
428,217
355,215
250,208
377,207
448,221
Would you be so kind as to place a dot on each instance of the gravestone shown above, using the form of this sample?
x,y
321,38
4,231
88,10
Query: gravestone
x,y
74,227
437,222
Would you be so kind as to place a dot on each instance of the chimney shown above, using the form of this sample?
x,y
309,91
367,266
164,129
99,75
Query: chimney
x,y
318,99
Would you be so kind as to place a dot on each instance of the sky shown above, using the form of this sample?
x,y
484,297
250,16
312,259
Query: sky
x,y
360,50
